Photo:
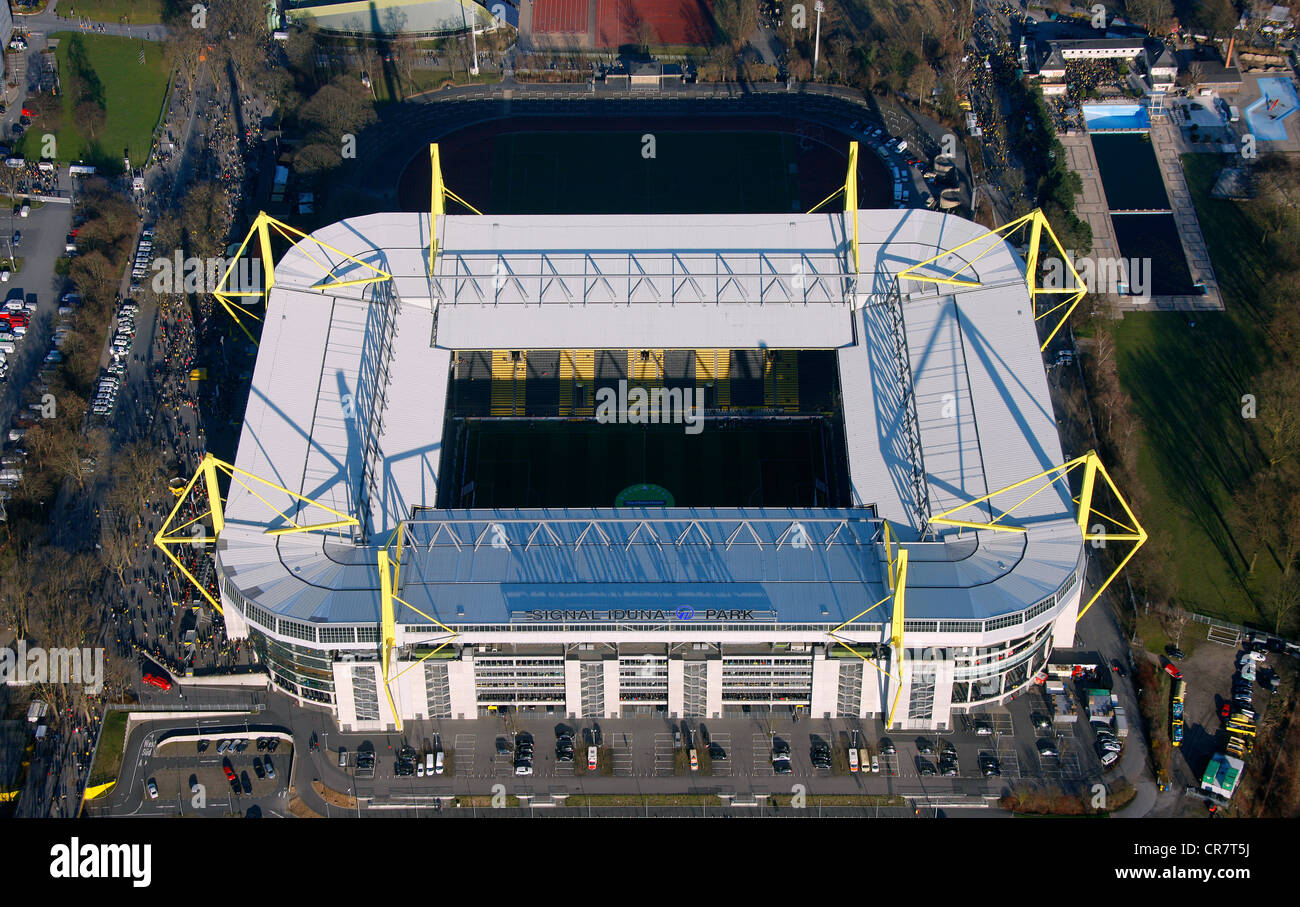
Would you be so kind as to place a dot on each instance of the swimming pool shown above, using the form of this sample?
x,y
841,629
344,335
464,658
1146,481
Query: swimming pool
x,y
1115,117
1270,125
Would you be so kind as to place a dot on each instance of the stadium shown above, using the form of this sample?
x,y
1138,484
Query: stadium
x,y
603,465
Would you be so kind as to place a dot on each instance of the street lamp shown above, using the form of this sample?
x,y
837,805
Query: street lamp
x,y
817,41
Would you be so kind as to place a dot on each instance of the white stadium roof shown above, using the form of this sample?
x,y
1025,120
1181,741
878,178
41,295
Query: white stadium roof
x,y
339,372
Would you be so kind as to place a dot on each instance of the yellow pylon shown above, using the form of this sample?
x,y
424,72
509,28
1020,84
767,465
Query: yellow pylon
x,y
438,195
1131,531
898,583
850,192
168,537
262,226
1037,223
389,579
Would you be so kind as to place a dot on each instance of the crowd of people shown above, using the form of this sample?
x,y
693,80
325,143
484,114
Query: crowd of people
x,y
32,180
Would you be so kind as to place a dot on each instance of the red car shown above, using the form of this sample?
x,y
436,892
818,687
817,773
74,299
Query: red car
x,y
1226,710
230,774
161,683
1173,671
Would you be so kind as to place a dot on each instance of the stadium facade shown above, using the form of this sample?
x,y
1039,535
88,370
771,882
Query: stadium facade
x,y
365,390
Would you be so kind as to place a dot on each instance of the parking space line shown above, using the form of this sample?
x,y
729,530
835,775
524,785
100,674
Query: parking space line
x,y
621,757
763,756
1009,758
463,747
664,753
723,768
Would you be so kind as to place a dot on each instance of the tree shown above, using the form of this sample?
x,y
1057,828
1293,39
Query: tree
x,y
1219,17
47,110
1277,422
1156,15
204,219
95,276
1267,512
315,158
735,21
117,549
342,107
645,35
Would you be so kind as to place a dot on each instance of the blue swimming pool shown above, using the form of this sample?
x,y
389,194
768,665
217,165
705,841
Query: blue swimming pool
x,y
1267,116
1115,117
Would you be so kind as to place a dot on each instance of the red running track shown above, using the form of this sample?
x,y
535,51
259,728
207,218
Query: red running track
x,y
560,17
670,21
617,21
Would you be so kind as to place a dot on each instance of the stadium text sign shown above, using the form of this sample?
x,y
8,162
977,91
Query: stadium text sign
x,y
650,614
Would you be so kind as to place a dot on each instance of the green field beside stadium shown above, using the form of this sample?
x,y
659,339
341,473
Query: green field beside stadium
x,y
133,99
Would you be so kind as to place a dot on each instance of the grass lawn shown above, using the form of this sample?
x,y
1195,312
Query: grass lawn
x,y
108,756
422,80
132,12
1186,383
133,97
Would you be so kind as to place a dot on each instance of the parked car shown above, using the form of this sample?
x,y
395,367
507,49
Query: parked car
x,y
1173,671
1047,747
1174,652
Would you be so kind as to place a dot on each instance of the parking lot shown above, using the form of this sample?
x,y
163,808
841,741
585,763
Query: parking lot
x,y
651,748
176,768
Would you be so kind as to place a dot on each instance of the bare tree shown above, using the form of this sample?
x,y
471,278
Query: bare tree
x,y
118,549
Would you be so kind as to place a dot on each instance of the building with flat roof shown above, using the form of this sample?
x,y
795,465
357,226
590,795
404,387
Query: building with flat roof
x,y
1099,48
752,559
396,18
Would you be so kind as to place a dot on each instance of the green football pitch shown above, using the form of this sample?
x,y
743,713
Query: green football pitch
x,y
728,464
695,172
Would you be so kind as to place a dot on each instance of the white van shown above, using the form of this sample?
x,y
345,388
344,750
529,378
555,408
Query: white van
x,y
25,210
438,764
428,763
